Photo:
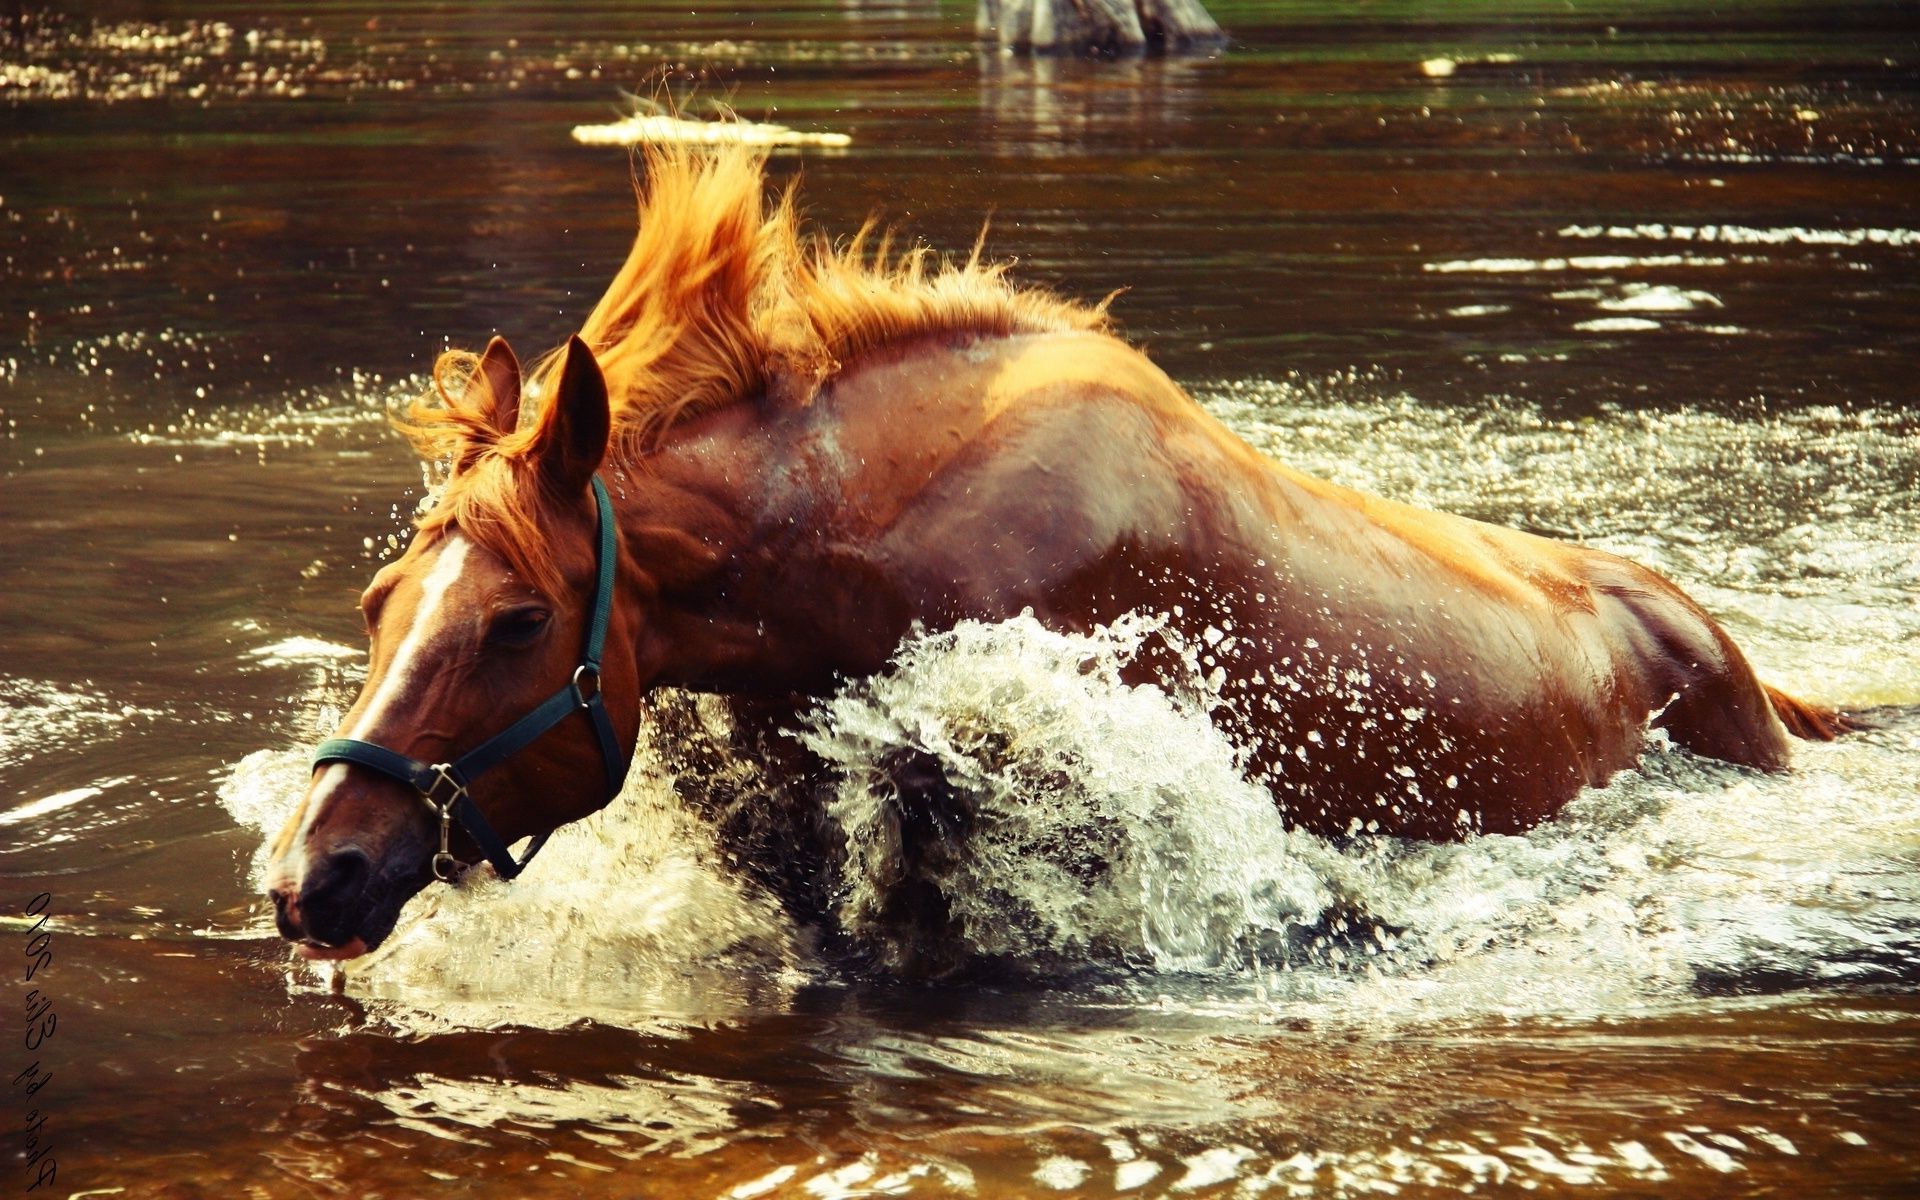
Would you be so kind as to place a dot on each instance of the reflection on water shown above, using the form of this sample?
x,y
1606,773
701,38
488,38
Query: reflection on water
x,y
1636,273
1048,105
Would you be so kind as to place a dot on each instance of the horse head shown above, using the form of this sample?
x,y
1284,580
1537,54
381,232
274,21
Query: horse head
x,y
484,624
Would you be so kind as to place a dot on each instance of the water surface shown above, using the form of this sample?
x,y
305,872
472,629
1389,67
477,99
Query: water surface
x,y
1637,273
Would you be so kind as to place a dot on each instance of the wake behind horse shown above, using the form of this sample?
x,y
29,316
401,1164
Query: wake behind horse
x,y
767,459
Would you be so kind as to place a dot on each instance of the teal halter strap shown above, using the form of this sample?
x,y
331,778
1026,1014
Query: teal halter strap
x,y
443,786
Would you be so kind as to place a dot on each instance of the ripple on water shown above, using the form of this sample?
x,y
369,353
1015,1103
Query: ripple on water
x,y
45,717
62,58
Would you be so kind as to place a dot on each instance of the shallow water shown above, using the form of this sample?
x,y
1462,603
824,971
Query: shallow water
x,y
1636,273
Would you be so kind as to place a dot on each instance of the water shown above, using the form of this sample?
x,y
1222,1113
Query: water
x,y
1636,273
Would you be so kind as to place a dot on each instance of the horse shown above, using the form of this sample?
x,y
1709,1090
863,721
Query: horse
x,y
767,457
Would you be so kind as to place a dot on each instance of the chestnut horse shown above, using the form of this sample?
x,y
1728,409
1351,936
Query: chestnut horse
x,y
807,451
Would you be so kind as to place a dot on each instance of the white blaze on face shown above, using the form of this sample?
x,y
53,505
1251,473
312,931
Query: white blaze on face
x,y
405,667
404,671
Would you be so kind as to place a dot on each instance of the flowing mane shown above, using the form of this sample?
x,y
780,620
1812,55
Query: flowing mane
x,y
725,297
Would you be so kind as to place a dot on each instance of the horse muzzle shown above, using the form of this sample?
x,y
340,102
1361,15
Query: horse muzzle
x,y
342,904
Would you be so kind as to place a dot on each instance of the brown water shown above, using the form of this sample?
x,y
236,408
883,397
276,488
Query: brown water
x,y
1643,273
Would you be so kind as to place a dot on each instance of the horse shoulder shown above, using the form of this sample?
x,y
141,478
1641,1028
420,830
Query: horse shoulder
x,y
984,472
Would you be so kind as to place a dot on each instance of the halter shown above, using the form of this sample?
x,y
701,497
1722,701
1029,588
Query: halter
x,y
443,786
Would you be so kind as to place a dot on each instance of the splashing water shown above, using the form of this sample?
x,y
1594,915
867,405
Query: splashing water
x,y
634,916
1110,822
1094,822
1101,820
1003,794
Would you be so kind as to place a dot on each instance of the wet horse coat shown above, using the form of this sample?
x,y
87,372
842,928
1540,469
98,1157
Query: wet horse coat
x,y
1428,673
811,454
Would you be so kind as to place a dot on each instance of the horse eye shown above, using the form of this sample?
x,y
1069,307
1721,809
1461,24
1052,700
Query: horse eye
x,y
518,627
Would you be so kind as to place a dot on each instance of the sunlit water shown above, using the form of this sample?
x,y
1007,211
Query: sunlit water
x,y
1631,275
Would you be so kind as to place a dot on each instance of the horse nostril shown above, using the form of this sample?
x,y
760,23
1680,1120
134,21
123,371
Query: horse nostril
x,y
330,898
282,899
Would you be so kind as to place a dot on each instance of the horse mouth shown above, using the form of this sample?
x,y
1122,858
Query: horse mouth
x,y
314,951
332,917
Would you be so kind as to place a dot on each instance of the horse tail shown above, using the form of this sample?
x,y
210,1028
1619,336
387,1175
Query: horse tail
x,y
1812,722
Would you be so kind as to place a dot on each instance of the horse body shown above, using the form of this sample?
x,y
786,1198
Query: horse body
x,y
1406,671
810,455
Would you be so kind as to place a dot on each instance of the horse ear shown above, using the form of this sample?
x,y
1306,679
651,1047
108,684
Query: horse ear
x,y
499,373
572,440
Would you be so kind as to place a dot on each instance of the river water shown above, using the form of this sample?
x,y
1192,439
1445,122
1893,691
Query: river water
x,y
1643,274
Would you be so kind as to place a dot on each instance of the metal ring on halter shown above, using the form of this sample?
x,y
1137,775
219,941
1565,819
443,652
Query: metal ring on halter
x,y
446,868
443,773
581,694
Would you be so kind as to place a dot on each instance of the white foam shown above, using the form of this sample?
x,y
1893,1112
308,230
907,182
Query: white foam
x,y
1061,1173
1109,821
1585,262
1746,235
1616,325
301,651
661,129
1212,1167
1662,298
625,913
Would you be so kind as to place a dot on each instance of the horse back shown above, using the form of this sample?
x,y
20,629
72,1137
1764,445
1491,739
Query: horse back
x,y
1067,475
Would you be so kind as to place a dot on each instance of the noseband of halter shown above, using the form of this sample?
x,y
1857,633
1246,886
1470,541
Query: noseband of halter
x,y
443,786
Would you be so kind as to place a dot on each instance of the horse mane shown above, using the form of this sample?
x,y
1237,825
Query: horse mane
x,y
724,298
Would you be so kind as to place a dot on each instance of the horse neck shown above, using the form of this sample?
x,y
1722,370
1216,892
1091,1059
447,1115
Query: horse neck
x,y
692,517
